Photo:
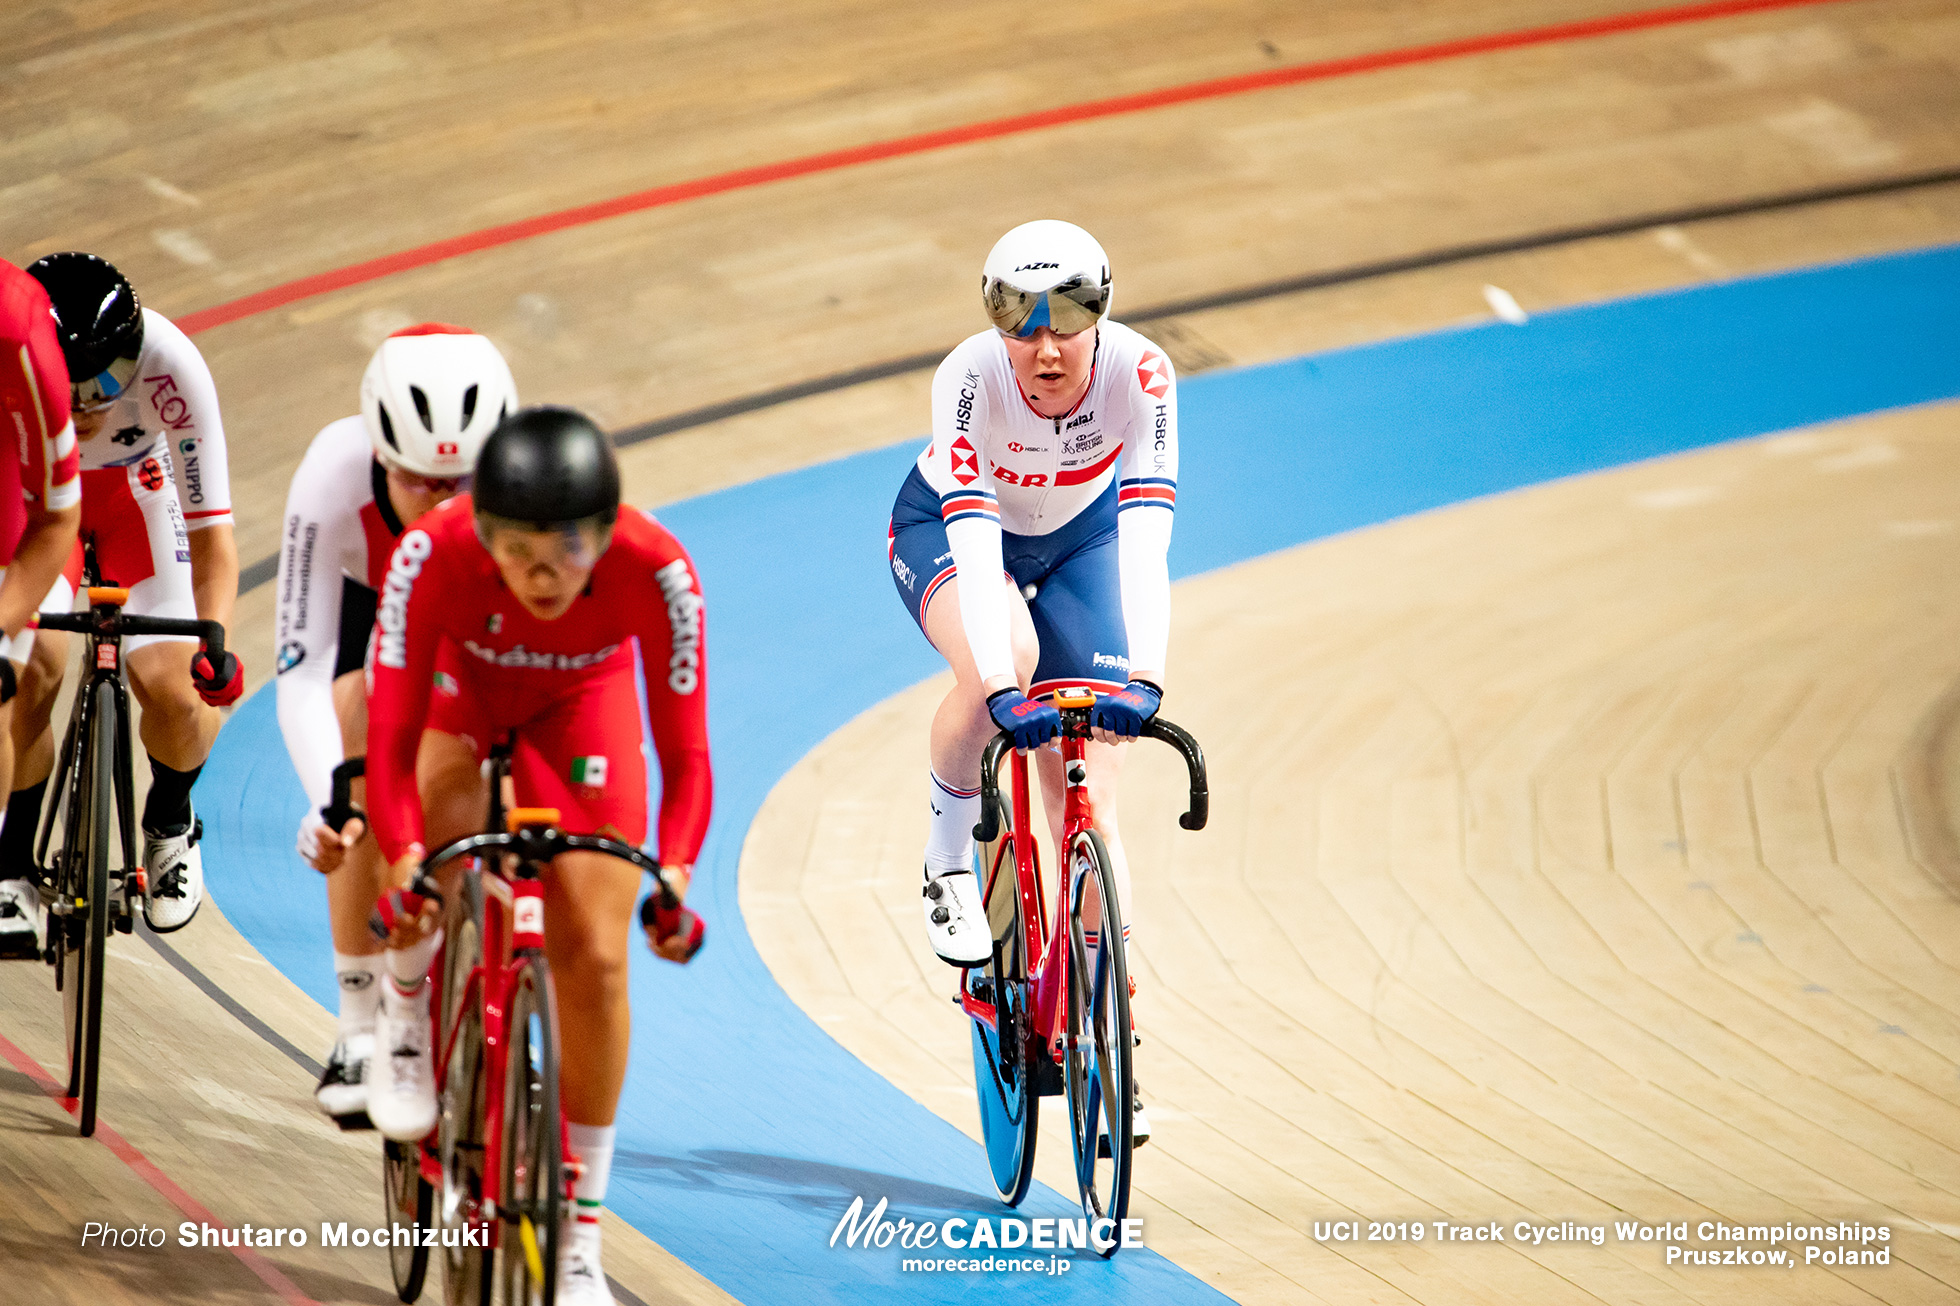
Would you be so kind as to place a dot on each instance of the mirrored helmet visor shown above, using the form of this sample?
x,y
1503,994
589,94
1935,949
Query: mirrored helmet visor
x,y
1075,305
93,394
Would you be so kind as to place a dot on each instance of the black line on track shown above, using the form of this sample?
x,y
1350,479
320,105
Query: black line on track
x,y
258,573
209,987
1314,281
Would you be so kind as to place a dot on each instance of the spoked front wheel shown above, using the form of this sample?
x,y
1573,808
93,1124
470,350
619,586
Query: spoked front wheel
x,y
533,1146
1004,1050
410,1200
1096,1067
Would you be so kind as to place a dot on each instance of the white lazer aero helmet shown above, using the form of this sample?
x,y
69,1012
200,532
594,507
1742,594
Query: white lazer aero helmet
x,y
1046,274
431,395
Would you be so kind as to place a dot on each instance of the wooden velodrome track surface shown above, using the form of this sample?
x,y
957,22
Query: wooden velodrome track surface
x,y
1580,878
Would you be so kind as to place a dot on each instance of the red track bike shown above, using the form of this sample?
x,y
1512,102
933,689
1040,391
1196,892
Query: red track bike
x,y
495,1175
1051,1008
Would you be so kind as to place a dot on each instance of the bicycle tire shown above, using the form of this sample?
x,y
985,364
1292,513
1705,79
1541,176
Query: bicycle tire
x,y
86,859
1096,1069
409,1198
1003,1054
466,1277
533,1187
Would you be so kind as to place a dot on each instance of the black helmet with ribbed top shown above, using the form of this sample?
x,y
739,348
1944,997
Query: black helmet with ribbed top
x,y
547,466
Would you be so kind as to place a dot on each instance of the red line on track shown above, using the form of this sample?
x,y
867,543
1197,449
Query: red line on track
x,y
831,160
268,1273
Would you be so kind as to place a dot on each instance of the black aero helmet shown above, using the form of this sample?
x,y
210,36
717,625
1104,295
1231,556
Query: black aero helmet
x,y
99,321
547,466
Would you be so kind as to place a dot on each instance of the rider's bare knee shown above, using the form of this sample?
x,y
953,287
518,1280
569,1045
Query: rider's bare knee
x,y
595,965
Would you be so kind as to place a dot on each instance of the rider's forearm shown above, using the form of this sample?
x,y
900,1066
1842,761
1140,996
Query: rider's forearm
x,y
44,548
214,573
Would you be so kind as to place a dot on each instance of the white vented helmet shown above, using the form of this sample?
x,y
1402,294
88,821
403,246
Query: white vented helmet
x,y
431,395
1046,274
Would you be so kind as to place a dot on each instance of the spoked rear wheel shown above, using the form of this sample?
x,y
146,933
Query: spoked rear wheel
x,y
465,1105
1096,1068
85,884
1003,1053
533,1146
410,1200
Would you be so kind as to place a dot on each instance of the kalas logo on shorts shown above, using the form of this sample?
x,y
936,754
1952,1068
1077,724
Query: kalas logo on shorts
x,y
392,619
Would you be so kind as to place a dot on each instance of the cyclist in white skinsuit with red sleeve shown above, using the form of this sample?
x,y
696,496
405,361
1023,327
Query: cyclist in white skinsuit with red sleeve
x,y
156,501
363,481
1054,460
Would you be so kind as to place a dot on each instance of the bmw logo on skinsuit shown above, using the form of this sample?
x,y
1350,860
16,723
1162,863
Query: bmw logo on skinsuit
x,y
291,654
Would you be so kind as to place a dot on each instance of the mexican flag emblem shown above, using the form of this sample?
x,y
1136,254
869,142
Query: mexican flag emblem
x,y
446,684
589,771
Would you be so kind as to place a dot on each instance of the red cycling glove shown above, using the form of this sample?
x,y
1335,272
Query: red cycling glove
x,y
221,685
671,922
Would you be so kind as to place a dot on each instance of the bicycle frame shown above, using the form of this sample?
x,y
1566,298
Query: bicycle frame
x,y
513,932
508,875
1046,941
106,624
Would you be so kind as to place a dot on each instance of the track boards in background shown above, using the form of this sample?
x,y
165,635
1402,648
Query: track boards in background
x,y
746,1131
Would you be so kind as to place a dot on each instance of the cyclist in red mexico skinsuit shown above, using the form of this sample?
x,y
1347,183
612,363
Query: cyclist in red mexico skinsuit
x,y
40,497
560,607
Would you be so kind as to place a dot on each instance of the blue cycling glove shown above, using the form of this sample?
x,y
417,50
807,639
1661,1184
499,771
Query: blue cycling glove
x,y
1032,723
1126,713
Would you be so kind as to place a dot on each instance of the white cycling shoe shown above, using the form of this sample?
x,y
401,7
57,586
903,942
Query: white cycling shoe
x,y
20,919
401,1094
956,919
343,1090
581,1279
175,869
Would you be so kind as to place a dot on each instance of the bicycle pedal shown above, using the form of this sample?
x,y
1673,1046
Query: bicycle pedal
x,y
124,924
353,1122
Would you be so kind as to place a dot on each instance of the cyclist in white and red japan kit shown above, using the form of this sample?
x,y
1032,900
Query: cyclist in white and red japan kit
x,y
545,585
156,501
1053,460
39,496
428,398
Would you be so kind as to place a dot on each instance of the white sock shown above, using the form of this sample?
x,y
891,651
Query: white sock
x,y
360,991
593,1145
949,847
410,965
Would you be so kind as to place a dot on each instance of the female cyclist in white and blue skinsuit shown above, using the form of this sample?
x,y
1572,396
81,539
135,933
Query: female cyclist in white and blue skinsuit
x,y
1054,460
